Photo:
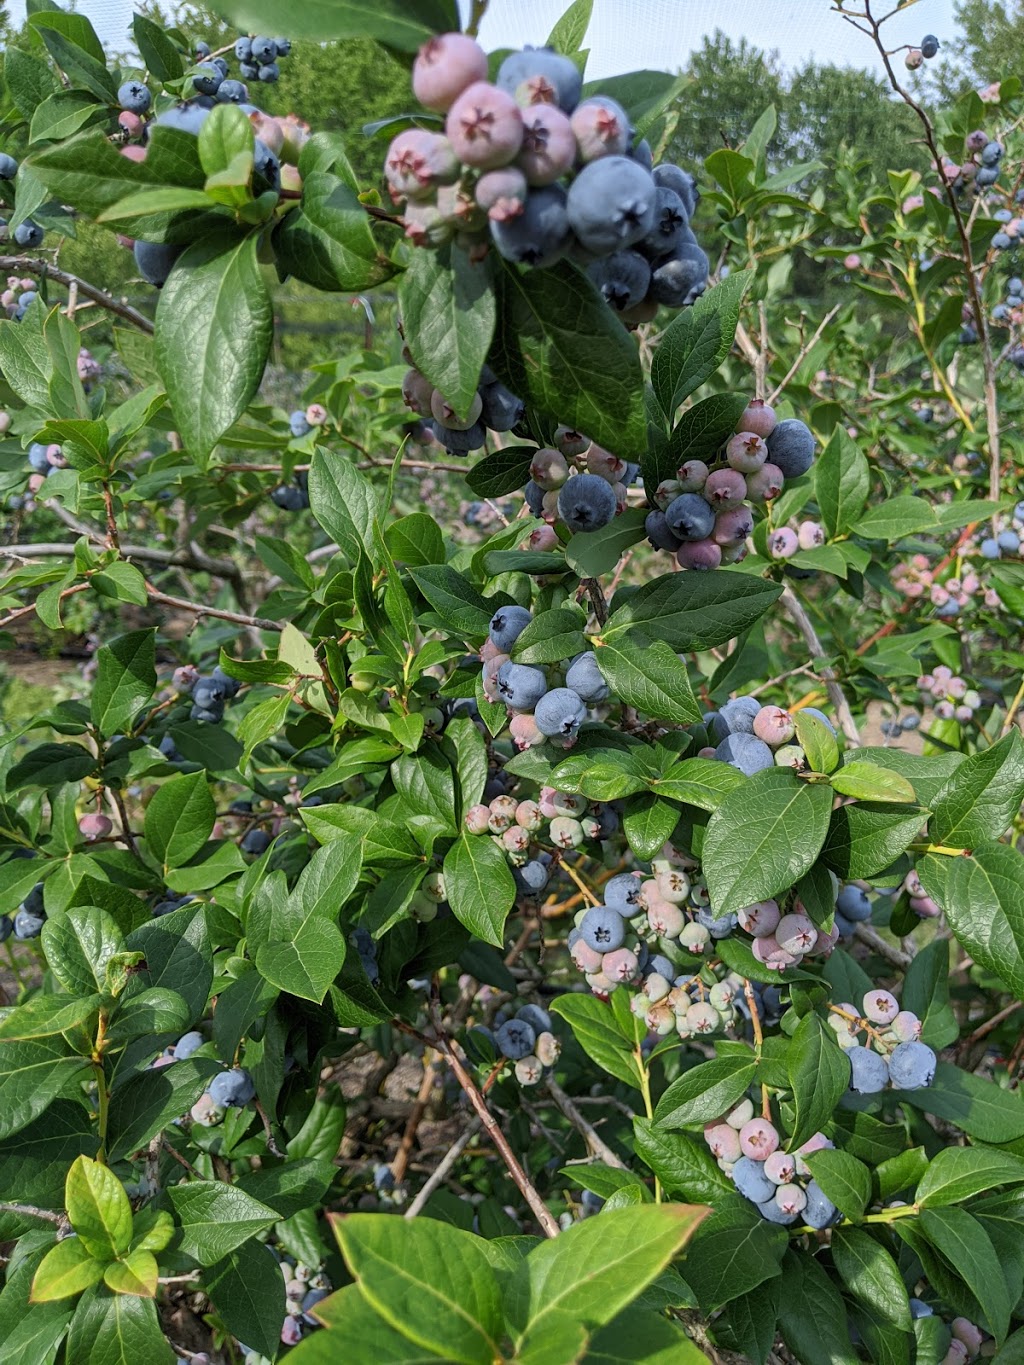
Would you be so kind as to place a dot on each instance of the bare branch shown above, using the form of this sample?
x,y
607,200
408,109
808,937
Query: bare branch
x,y
444,1166
45,271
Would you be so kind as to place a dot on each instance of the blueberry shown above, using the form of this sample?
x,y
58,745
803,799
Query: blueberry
x,y
268,73
28,233
134,97
791,447
853,903
507,624
309,1302
213,713
298,425
586,679
990,548
515,1039
920,1309
670,218
201,49
611,204
243,49
155,260
208,79
1006,540
622,893
6,927
187,117
232,92
820,1211
266,167
37,458
187,1044
232,1088
870,1073
8,167
263,50
255,841
718,927
659,533
500,409
660,964
560,712
209,691
28,923
460,442
690,517
289,498
770,1210
283,45
541,234
531,878
745,752
991,153
248,72
603,929
586,502
520,686
929,45
548,77
538,1019
749,1178
675,178
912,1066
641,152
622,277
677,279
534,496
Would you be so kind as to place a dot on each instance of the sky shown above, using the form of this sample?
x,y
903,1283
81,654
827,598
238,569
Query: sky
x,y
629,35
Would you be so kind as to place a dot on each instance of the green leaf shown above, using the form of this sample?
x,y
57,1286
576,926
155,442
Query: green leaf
x,y
763,837
697,341
179,818
121,582
747,1324
479,886
700,782
448,312
28,79
694,611
980,1107
151,1100
306,950
178,954
983,899
592,553
819,1074
812,1314
647,822
818,742
248,1292
964,1243
415,540
959,1173
135,1274
430,1282
926,994
568,34
116,1329
46,1015
215,1218
78,946
871,1274
734,1251
551,637
698,435
65,1270
650,677
162,58
34,1161
214,325
562,350
395,23
844,1179
225,134
64,114
841,483
595,1268
706,1091
501,472
470,761
327,241
600,1033
982,797
868,782
895,518
684,1166
865,839
33,1073
732,171
458,604
85,69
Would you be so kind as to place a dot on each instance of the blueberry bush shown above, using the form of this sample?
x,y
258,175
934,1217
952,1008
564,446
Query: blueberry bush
x,y
530,866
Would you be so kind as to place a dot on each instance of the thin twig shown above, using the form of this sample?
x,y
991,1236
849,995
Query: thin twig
x,y
44,270
401,1161
239,618
837,696
33,1211
444,1166
595,1142
875,940
802,355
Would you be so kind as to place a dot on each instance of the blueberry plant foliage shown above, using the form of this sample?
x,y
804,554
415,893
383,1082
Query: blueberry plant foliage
x,y
658,812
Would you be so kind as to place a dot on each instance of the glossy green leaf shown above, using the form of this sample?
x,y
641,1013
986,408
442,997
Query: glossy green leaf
x,y
868,782
842,482
66,1270
601,1034
844,1179
733,1252
689,611
33,1073
706,1091
864,839
697,341
819,1075
327,243
479,886
958,1173
982,797
151,1100
647,675
964,1243
983,899
683,1164
179,819
116,1329
215,1218
448,311
248,1292
98,1208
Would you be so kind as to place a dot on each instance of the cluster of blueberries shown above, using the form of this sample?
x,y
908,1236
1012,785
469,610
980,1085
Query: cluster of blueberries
x,y
1007,542
979,169
780,1183
893,1054
952,697
28,920
257,58
27,234
210,694
915,578
547,175
18,297
42,460
752,737
703,516
920,902
962,1339
577,483
525,1038
925,50
784,542
494,408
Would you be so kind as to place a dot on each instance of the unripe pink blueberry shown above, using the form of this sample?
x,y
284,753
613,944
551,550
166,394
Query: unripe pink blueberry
x,y
881,1007
780,1168
852,261
445,66
757,417
945,710
516,839
35,482
810,535
771,953
963,714
702,1019
796,934
766,484
549,506
134,152
485,126
129,122
791,1198
740,1114
316,414
977,140
760,919
448,417
489,650
783,543
699,554
585,958
693,475
666,919
95,826
725,489
758,1139
502,193
417,391
666,492
566,832
723,1141
603,463
774,726
417,162
490,675
549,469
913,59
528,814
968,1334
731,530
746,452
571,442
600,129
544,538
549,145
183,679
906,1027
546,802
620,965
925,907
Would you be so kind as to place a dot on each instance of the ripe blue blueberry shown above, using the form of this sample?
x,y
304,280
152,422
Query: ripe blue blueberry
x,y
268,73
266,167
586,679
749,1178
641,152
820,1211
990,548
6,927
232,92
678,279
297,424
243,49
659,533
870,1073
819,715
155,260
586,502
791,447
991,153
675,178
539,75
560,712
507,624
622,277
283,45
603,929
248,71
622,893
853,903
263,50
255,841
515,1039
531,878
8,167
208,78
460,442
520,686
720,926
739,715
232,1089
28,923
659,963
541,234
38,458
929,45
289,498
920,1309
201,50
538,1018
611,204
912,1066
534,496
187,117
745,752
670,218
690,517
500,409
135,97
1006,540
28,233
187,1044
